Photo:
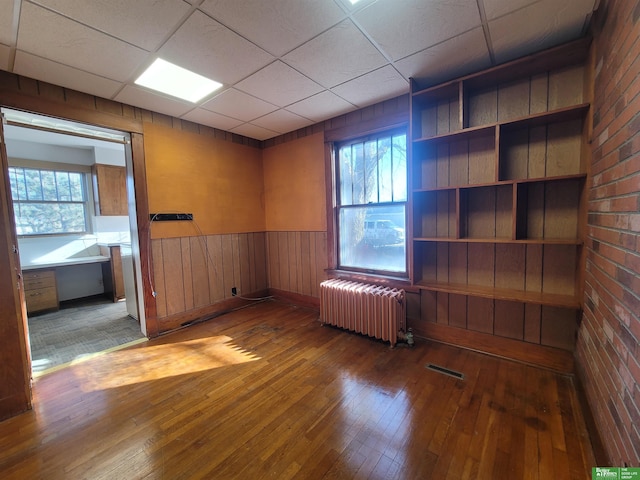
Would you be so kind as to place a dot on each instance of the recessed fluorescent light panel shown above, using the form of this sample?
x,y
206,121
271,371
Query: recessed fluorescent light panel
x,y
176,81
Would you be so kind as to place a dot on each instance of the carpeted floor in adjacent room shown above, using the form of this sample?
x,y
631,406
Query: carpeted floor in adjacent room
x,y
79,330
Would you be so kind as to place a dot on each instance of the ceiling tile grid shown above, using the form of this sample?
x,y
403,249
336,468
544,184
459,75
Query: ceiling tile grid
x,y
236,104
57,38
284,64
121,18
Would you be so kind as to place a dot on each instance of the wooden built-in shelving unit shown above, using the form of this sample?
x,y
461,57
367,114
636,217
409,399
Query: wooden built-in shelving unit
x,y
498,175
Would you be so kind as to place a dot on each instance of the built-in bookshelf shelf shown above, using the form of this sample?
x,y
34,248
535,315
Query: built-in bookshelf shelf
x,y
539,298
523,241
498,172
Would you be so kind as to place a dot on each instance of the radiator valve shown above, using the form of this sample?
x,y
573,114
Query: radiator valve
x,y
409,337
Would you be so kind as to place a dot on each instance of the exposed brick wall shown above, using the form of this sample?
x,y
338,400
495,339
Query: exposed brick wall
x,y
608,349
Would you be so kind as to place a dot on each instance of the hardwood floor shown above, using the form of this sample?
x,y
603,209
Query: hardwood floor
x,y
266,392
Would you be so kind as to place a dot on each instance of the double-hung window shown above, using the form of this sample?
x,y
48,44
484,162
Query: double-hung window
x,y
48,201
371,197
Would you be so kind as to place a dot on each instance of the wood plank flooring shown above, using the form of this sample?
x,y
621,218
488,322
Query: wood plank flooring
x,y
267,392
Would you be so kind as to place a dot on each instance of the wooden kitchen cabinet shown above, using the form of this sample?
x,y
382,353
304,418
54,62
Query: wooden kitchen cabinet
x,y
110,189
112,272
40,290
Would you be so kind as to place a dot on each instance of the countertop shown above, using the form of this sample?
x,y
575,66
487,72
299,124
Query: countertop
x,y
65,262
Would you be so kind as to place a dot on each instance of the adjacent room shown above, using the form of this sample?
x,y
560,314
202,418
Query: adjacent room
x,y
73,236
320,239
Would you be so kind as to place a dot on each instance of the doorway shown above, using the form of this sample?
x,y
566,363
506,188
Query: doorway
x,y
75,236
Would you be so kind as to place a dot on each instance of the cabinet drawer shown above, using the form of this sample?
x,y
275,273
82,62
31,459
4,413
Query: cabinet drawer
x,y
39,278
36,283
41,299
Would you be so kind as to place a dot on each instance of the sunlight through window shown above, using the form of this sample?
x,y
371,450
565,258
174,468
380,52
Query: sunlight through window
x,y
148,363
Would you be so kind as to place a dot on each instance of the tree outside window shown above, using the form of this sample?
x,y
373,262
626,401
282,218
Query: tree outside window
x,y
48,201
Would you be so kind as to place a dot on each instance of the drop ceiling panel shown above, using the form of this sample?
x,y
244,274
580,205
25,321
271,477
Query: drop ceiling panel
x,y
121,18
144,99
373,87
57,38
539,26
63,75
6,22
5,56
290,22
282,121
253,131
211,49
211,119
321,106
237,104
497,8
336,56
279,84
313,58
452,58
417,25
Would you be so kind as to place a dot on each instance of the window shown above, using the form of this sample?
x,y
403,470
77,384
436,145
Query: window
x,y
48,201
371,199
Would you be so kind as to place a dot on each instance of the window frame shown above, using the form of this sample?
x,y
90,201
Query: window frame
x,y
56,167
333,141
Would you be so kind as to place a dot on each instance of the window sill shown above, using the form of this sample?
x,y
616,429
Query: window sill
x,y
377,279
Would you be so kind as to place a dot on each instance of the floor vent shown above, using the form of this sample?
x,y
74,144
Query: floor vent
x,y
446,371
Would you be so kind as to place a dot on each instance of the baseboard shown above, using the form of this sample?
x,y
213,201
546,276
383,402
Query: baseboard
x,y
555,359
295,298
183,319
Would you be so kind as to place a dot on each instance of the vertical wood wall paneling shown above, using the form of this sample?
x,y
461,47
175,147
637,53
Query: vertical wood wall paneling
x,y
200,271
296,261
253,267
216,268
480,314
283,265
533,272
228,265
260,251
442,165
173,275
299,263
513,100
458,316
237,270
538,101
195,272
558,328
509,319
244,258
510,266
321,257
158,278
292,242
532,323
442,308
187,273
304,273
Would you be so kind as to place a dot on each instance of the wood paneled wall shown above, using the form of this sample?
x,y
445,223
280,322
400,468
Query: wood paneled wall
x,y
296,261
193,274
294,185
219,182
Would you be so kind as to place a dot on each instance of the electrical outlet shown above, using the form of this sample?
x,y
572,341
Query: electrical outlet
x,y
234,291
